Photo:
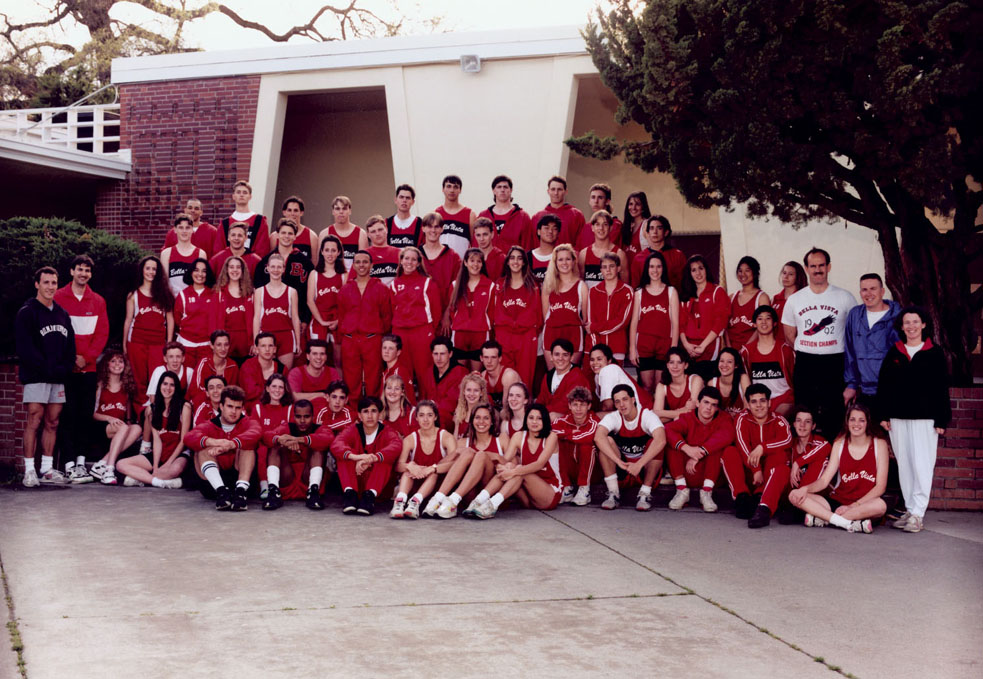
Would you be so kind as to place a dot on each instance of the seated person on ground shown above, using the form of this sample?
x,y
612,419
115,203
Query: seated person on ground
x,y
427,454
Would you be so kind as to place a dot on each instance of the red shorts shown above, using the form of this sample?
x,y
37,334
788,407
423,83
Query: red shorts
x,y
317,331
226,461
652,346
554,503
286,343
574,333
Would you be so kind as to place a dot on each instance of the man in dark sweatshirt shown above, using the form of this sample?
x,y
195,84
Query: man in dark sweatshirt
x,y
46,352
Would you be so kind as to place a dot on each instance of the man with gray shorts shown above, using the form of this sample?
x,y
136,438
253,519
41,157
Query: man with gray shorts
x,y
46,352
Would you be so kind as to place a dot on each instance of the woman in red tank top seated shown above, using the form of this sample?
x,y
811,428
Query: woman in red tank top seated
x,y
861,459
162,457
677,395
427,454
116,399
731,381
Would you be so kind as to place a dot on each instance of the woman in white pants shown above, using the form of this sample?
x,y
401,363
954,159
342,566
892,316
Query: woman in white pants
x,y
914,404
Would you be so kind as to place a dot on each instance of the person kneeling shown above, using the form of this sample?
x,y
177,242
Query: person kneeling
x,y
301,444
630,441
418,464
365,449
223,443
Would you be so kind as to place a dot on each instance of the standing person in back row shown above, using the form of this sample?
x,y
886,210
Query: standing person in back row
x,y
571,219
353,238
458,219
203,233
258,230
404,228
814,320
46,349
512,224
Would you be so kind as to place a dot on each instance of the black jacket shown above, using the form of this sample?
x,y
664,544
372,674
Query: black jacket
x,y
914,388
45,343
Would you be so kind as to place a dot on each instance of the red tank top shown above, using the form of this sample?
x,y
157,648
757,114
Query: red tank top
x,y
551,471
424,458
235,312
654,322
674,402
326,295
276,311
740,325
564,308
405,424
778,303
493,445
270,416
170,442
857,477
473,313
515,308
114,403
349,243
177,266
495,391
538,266
149,321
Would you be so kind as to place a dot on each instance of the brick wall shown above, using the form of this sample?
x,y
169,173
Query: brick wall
x,y
12,413
188,138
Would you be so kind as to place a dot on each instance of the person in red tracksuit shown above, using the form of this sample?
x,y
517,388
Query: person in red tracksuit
x,y
696,441
609,309
237,248
445,379
518,315
763,441
416,312
195,312
442,262
300,443
467,318
366,449
576,431
657,230
226,442
385,257
149,323
365,313
392,365
560,380
703,313
513,226
218,363
571,219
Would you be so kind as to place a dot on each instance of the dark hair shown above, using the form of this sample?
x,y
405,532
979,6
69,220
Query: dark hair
x,y
601,187
549,219
493,430
441,340
369,401
292,199
528,281
233,393
463,275
563,343
491,344
738,361
183,217
424,403
406,187
216,334
160,289
710,392
543,413
626,225
177,404
677,351
82,259
363,252
209,274
815,251
662,221
452,179
752,264
922,313
45,270
801,280
604,349
339,263
173,345
765,309
336,385
262,335
501,178
872,277
802,408
395,339
286,221
688,286
579,394
220,378
303,403
626,388
869,431
316,343
646,278
755,389
557,178
288,395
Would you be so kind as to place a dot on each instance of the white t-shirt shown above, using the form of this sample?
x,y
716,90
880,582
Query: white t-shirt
x,y
158,373
403,223
650,421
611,376
874,316
819,320
912,350
557,378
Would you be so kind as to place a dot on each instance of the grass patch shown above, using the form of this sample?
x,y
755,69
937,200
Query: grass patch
x,y
16,643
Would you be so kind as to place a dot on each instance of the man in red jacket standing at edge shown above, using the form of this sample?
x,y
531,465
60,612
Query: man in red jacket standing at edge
x,y
87,309
226,442
696,441
445,380
203,233
300,444
367,449
458,219
561,380
365,315
513,225
571,219
258,229
763,441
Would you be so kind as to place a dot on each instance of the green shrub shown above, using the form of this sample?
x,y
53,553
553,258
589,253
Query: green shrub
x,y
28,243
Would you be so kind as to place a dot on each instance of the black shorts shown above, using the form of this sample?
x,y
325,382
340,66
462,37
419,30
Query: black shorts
x,y
650,363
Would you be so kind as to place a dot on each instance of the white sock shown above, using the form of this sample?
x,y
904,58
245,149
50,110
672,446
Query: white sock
x,y
483,497
418,497
46,462
316,476
211,473
838,521
28,463
680,483
645,490
242,484
455,499
612,484
497,499
400,497
80,460
157,483
273,475
69,466
438,497
263,485
708,484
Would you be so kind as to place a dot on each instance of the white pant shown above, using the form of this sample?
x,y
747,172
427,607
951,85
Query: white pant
x,y
915,444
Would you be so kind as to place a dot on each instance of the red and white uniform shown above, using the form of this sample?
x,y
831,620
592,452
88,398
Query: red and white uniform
x,y
257,234
675,263
235,316
563,318
365,317
812,460
306,242
555,388
471,324
773,369
114,404
245,434
146,338
778,303
701,315
349,243
327,285
177,266
775,438
592,267
253,382
194,317
405,424
857,477
457,229
632,437
385,263
384,444
674,402
423,458
447,390
401,237
654,324
275,318
204,369
416,310
89,321
202,237
170,442
251,259
517,317
740,325
512,228
270,417
443,269
714,437
203,413
732,401
571,222
550,473
587,239
538,264
335,421
576,448
608,316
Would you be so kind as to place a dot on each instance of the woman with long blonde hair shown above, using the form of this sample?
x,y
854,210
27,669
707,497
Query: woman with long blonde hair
x,y
564,303
474,392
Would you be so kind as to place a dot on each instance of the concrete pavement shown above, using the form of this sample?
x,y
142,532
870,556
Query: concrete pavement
x,y
114,582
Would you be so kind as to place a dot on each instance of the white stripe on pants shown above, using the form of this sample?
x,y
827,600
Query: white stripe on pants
x,y
915,444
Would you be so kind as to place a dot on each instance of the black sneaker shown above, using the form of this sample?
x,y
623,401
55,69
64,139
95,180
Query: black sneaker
x,y
761,518
274,500
367,506
223,499
349,501
744,506
239,500
314,498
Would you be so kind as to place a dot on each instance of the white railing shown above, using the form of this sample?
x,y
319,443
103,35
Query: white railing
x,y
91,128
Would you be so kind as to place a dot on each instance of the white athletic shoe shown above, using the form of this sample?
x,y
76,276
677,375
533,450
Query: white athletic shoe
x,y
471,510
613,501
644,502
864,526
582,498
814,522
109,475
914,524
706,500
97,470
901,521
398,510
79,474
53,477
485,511
171,484
432,506
680,499
130,482
568,495
31,478
448,510
412,509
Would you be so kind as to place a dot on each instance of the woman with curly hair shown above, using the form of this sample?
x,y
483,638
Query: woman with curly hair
x,y
731,381
116,400
473,392
149,323
234,306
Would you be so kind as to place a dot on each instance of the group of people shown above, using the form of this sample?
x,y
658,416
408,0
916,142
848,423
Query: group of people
x,y
485,355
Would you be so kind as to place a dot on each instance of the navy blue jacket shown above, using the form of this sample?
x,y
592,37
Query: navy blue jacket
x,y
866,347
45,343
